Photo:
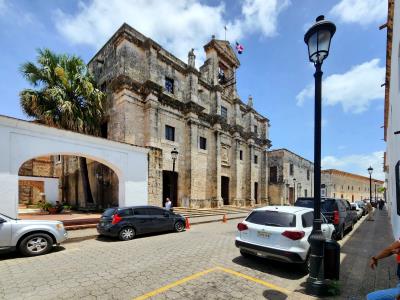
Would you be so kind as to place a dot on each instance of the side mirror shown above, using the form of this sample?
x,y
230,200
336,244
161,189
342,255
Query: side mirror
x,y
2,221
353,208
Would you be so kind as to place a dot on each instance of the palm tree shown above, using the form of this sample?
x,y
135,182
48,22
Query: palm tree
x,y
65,96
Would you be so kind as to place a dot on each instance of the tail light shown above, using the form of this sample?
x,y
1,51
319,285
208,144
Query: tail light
x,y
116,219
293,235
336,217
242,227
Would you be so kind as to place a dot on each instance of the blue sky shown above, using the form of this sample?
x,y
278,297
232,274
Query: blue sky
x,y
274,66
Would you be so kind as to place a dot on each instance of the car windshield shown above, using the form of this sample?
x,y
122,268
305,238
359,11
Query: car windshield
x,y
108,212
272,218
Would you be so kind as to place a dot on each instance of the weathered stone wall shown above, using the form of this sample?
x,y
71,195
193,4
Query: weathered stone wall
x,y
104,190
133,70
29,191
303,183
39,166
155,177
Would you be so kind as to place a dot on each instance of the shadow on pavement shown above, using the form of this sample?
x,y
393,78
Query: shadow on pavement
x,y
8,255
276,268
103,238
274,295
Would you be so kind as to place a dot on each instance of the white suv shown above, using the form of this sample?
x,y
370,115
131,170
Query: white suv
x,y
279,233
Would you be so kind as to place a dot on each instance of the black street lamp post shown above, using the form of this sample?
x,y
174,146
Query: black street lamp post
x,y
174,155
370,170
318,39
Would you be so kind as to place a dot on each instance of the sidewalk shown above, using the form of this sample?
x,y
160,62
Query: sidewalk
x,y
368,239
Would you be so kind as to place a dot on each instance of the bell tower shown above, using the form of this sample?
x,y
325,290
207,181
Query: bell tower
x,y
223,64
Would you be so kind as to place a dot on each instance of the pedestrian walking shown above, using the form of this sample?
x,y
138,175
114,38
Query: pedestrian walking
x,y
381,204
168,204
393,293
370,211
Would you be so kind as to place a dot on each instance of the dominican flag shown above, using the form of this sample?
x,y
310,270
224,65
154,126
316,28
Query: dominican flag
x,y
239,48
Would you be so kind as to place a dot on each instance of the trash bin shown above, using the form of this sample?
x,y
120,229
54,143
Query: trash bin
x,y
331,259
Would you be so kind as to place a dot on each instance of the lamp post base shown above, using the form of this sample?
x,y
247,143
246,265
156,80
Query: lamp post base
x,y
315,287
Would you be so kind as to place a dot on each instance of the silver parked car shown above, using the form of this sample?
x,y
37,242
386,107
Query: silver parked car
x,y
30,237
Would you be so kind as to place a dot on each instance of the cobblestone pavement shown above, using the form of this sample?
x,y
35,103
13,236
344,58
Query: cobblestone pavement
x,y
108,269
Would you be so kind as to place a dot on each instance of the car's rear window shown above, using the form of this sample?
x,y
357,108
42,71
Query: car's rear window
x,y
327,205
305,203
272,218
108,212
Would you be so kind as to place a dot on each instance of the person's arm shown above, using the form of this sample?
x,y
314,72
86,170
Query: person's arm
x,y
393,248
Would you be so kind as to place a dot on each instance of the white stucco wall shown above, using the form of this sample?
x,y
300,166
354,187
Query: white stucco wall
x,y
22,140
393,140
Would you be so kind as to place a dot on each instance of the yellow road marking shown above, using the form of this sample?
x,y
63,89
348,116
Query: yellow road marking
x,y
174,284
199,274
259,281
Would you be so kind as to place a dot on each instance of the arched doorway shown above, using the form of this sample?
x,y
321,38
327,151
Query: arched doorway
x,y
23,141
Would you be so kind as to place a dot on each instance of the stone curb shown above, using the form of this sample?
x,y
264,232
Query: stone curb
x,y
93,236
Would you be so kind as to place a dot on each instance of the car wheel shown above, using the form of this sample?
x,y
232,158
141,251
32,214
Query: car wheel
x,y
126,234
245,254
179,226
36,244
340,234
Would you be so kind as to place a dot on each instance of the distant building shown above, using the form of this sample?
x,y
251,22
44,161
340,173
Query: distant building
x,y
352,187
290,176
392,114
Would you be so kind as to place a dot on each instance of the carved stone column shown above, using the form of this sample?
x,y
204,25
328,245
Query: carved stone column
x,y
264,178
219,199
236,182
250,193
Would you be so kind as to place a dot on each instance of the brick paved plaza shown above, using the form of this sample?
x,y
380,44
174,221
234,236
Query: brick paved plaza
x,y
201,263
111,269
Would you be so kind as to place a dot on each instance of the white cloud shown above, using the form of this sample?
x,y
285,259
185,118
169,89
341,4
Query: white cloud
x,y
3,6
176,25
261,15
362,12
357,163
354,89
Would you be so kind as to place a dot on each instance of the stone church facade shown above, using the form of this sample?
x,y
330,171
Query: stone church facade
x,y
157,101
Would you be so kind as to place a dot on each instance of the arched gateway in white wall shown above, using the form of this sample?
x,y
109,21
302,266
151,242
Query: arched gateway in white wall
x,y
21,141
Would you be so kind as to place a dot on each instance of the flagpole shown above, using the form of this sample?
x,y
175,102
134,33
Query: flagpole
x,y
225,31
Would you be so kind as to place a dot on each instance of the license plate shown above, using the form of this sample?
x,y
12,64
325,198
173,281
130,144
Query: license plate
x,y
263,234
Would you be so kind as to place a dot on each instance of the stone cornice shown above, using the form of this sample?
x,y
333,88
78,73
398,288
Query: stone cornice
x,y
122,81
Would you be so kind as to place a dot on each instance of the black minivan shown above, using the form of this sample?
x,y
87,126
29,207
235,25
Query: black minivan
x,y
127,222
337,211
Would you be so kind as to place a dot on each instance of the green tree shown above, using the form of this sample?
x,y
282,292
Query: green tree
x,y
64,96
